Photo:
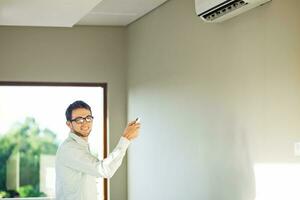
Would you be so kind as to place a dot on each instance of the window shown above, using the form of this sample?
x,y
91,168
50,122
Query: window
x,y
33,125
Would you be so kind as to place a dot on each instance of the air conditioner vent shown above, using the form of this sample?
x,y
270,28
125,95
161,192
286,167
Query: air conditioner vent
x,y
223,9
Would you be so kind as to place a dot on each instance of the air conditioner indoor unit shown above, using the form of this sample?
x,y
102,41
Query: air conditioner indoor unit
x,y
220,10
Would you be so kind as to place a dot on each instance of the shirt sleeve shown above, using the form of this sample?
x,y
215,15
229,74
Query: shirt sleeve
x,y
82,160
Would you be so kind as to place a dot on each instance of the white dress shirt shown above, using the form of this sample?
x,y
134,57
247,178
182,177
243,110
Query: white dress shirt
x,y
77,169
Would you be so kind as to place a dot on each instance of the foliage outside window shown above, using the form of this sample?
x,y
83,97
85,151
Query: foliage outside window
x,y
30,142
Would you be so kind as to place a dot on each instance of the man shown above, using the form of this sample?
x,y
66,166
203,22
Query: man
x,y
76,167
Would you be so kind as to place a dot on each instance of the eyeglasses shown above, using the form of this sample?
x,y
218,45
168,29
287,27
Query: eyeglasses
x,y
80,120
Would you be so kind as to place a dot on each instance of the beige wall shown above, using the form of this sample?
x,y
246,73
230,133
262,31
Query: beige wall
x,y
80,54
214,100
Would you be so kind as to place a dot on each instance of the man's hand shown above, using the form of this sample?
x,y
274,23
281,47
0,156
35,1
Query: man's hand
x,y
132,130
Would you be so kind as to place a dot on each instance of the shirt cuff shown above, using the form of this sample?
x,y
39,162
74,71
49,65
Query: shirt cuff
x,y
123,143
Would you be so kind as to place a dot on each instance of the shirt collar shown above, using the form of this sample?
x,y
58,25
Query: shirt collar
x,y
78,139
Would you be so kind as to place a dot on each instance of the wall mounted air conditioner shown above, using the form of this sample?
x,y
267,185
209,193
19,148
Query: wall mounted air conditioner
x,y
220,10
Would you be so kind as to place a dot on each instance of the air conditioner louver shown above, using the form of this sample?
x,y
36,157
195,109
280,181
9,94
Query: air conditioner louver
x,y
220,10
223,9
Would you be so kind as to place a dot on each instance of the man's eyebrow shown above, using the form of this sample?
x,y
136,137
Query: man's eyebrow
x,y
83,116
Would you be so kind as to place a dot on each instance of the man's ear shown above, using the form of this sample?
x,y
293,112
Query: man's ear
x,y
68,123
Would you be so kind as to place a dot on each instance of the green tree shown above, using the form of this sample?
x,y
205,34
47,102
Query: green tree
x,y
30,141
8,144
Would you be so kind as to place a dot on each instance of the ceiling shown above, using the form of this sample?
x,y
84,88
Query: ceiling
x,y
119,12
67,13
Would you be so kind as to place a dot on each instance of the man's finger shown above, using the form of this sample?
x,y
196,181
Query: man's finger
x,y
131,123
137,124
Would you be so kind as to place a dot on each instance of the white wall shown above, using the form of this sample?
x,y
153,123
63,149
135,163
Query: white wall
x,y
214,100
80,54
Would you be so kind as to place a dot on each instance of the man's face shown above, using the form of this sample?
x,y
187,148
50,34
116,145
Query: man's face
x,y
81,127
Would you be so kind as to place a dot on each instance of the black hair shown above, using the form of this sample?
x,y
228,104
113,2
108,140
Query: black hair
x,y
75,105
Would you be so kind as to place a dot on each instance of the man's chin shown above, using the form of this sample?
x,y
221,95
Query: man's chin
x,y
86,134
83,133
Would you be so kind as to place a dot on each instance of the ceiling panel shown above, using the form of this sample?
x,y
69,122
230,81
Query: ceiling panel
x,y
44,12
66,13
119,12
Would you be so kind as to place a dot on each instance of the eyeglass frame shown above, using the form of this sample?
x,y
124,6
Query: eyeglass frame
x,y
83,118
